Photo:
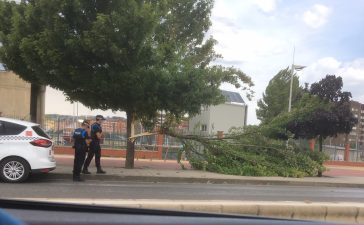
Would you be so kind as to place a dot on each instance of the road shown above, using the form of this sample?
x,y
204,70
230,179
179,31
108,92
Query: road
x,y
43,188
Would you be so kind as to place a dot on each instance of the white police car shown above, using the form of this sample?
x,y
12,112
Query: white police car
x,y
24,148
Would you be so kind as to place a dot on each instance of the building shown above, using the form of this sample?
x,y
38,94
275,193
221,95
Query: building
x,y
336,147
14,96
223,117
356,136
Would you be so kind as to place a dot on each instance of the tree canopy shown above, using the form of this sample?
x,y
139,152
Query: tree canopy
x,y
275,97
138,56
322,111
330,117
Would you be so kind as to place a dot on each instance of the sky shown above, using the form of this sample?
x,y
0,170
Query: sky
x,y
258,37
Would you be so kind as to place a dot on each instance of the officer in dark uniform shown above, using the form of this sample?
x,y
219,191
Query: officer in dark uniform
x,y
81,142
95,148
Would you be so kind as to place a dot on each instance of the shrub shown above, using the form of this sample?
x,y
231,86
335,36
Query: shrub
x,y
249,153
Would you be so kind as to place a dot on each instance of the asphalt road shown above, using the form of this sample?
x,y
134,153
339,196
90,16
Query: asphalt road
x,y
44,188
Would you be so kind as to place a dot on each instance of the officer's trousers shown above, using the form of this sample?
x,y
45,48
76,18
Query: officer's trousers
x,y
95,150
80,155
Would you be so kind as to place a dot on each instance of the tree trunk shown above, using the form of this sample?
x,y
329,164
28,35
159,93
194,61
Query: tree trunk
x,y
34,89
37,103
320,143
320,149
130,150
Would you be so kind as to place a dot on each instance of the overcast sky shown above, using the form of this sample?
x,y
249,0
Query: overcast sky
x,y
258,37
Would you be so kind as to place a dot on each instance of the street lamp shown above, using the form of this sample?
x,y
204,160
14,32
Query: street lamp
x,y
294,68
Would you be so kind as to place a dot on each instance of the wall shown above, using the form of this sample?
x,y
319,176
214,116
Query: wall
x,y
14,96
225,116
194,125
219,118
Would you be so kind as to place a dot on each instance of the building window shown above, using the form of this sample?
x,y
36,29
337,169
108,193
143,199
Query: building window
x,y
203,127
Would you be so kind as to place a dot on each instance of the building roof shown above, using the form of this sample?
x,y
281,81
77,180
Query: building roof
x,y
233,97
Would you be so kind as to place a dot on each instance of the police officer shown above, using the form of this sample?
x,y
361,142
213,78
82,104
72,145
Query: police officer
x,y
81,142
95,148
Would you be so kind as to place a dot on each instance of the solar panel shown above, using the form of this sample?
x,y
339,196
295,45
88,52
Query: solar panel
x,y
232,96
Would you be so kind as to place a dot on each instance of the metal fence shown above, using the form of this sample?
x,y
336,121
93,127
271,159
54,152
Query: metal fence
x,y
61,128
336,153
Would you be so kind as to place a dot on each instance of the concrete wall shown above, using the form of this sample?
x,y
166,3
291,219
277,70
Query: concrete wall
x,y
225,116
194,125
219,118
14,96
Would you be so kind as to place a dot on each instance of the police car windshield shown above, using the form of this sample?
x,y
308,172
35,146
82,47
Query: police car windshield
x,y
40,132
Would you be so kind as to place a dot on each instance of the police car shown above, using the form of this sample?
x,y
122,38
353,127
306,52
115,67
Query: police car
x,y
24,149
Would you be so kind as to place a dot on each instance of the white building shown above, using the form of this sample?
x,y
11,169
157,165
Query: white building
x,y
212,119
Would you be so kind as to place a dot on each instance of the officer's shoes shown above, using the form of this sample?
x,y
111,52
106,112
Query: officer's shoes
x,y
85,171
100,171
78,179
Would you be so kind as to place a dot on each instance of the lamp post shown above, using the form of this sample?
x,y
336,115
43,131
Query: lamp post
x,y
294,68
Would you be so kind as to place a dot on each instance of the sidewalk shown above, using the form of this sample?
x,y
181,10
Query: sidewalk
x,y
170,171
344,171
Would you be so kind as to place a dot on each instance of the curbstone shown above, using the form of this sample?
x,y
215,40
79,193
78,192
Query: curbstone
x,y
343,214
282,211
170,179
360,217
241,209
163,206
138,206
215,208
310,212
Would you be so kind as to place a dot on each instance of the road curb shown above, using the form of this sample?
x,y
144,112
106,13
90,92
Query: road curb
x,y
164,179
352,213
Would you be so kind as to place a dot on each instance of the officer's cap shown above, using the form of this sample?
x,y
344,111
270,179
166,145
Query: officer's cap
x,y
100,117
86,122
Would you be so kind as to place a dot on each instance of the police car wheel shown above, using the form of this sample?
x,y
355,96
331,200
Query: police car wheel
x,y
14,170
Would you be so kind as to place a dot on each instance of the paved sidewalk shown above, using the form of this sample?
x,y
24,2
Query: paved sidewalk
x,y
170,171
345,171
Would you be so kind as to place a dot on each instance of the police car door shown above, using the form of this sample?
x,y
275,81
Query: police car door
x,y
2,142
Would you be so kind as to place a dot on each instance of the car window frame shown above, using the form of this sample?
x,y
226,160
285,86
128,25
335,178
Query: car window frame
x,y
6,124
40,132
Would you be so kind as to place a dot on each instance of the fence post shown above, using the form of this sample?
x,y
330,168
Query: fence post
x,y
312,144
160,145
347,152
220,134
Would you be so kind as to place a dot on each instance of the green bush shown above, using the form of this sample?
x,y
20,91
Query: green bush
x,y
250,153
